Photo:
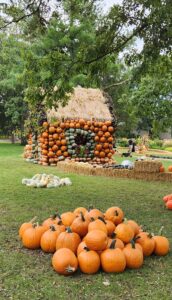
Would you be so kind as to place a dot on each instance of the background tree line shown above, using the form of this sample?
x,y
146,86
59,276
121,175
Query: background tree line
x,y
65,43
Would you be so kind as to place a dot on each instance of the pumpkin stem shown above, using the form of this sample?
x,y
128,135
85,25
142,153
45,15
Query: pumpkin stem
x,y
136,238
70,269
113,235
52,228
161,230
68,229
82,216
101,219
87,249
112,245
133,243
116,213
59,222
33,219
34,225
92,219
58,215
90,207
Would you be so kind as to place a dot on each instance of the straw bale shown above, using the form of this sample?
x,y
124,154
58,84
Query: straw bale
x,y
147,166
83,103
87,169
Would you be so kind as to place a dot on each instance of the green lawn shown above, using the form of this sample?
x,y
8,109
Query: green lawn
x,y
28,274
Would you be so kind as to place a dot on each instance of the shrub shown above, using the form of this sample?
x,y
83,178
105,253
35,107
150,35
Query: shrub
x,y
156,144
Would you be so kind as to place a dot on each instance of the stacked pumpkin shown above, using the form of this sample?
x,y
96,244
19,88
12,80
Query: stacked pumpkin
x,y
90,239
28,148
168,201
80,140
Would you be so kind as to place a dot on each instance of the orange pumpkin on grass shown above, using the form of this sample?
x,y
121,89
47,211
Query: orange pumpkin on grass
x,y
68,239
113,259
64,261
96,240
32,236
89,261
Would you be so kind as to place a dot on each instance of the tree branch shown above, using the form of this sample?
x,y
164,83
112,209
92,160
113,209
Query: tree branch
x,y
118,47
116,84
22,17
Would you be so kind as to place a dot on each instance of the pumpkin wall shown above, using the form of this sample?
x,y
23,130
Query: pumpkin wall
x,y
80,140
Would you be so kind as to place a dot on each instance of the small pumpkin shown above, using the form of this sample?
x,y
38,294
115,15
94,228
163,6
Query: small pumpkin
x,y
80,225
170,169
48,239
162,245
113,259
25,226
51,220
64,261
68,239
97,224
114,214
124,232
89,261
32,236
96,240
93,213
67,218
147,243
169,204
133,255
167,198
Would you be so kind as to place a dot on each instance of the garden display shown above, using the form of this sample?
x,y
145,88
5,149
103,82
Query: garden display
x,y
46,180
168,201
91,240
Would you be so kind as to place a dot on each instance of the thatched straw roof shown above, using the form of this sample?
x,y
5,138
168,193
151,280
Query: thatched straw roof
x,y
83,103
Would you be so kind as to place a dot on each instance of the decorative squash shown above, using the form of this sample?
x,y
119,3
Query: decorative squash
x,y
64,261
113,259
162,245
89,261
96,240
68,239
133,255
32,236
114,214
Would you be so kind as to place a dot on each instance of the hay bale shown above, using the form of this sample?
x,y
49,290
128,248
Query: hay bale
x,y
147,166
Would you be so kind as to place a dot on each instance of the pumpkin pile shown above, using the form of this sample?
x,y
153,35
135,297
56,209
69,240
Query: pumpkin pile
x,y
80,140
91,239
168,201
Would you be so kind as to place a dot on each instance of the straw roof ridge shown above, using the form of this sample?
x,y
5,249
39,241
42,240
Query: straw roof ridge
x,y
84,103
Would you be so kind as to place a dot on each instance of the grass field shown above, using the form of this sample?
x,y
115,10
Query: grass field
x,y
28,274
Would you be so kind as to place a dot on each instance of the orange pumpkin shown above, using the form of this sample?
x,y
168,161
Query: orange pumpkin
x,y
110,227
51,221
118,243
114,214
52,129
96,240
67,218
170,169
134,256
113,259
107,134
98,147
124,232
102,154
45,134
25,226
162,245
64,261
100,133
89,261
147,243
93,213
68,239
48,239
80,225
32,236
78,210
97,224
104,128
110,129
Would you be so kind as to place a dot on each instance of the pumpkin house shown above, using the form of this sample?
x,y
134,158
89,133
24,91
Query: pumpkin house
x,y
83,130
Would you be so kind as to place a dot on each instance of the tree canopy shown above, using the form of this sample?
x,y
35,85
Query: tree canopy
x,y
46,50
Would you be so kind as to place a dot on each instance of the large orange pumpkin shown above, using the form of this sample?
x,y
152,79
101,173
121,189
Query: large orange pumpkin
x,y
68,239
32,236
64,261
25,226
113,259
124,232
134,256
162,245
67,218
96,240
80,225
89,261
48,239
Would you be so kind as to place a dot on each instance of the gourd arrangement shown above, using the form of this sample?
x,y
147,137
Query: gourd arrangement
x,y
79,140
168,201
90,240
